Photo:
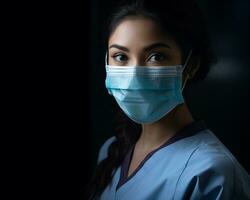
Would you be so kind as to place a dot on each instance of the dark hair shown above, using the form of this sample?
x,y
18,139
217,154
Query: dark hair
x,y
182,19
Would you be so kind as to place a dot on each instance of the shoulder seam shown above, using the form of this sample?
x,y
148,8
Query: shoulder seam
x,y
191,155
184,169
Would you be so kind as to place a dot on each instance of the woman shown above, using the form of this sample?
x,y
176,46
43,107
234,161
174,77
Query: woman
x,y
159,150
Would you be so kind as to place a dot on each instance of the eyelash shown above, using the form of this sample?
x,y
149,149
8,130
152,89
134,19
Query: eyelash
x,y
153,54
157,54
116,55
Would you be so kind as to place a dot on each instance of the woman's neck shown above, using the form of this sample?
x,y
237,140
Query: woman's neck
x,y
155,134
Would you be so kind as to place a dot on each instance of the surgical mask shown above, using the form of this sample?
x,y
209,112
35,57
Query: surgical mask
x,y
146,93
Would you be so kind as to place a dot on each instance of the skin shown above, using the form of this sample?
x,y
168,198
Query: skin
x,y
127,46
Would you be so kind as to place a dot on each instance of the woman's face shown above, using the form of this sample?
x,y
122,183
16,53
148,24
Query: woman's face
x,y
139,41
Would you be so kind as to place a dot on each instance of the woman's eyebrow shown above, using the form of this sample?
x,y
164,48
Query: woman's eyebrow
x,y
155,45
147,48
119,47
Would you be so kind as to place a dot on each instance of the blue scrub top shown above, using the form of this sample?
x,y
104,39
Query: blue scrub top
x,y
193,164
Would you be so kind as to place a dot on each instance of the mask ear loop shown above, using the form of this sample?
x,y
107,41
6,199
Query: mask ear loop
x,y
185,64
106,58
106,64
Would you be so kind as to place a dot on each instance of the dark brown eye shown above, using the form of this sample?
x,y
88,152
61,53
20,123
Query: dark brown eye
x,y
157,57
120,57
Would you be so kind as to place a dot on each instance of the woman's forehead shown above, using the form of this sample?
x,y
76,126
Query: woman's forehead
x,y
137,31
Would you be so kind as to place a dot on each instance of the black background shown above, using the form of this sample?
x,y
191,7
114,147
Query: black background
x,y
60,110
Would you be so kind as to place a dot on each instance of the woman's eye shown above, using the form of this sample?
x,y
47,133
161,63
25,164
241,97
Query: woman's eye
x,y
120,57
157,57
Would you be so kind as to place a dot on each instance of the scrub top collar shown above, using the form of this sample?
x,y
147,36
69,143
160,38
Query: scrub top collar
x,y
187,131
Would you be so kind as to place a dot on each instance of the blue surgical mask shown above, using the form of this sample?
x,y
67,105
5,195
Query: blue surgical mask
x,y
146,93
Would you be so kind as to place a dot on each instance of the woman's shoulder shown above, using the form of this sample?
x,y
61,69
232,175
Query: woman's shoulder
x,y
213,170
211,153
103,152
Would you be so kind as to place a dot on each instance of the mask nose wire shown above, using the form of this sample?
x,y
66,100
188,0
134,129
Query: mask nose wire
x,y
185,64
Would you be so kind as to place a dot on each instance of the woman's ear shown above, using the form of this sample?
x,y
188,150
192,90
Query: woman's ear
x,y
193,66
